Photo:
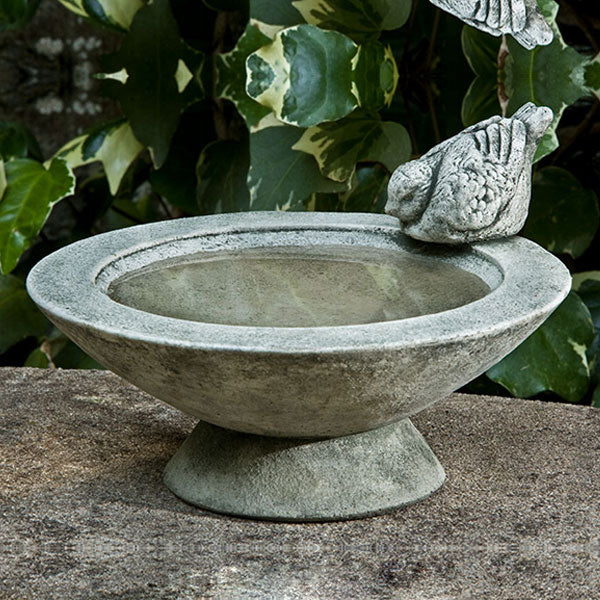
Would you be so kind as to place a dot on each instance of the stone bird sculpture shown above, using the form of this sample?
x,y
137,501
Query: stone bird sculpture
x,y
473,186
520,18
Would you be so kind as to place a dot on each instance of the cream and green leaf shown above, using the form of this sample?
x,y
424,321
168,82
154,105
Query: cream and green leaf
x,y
304,76
360,19
230,75
116,14
308,76
338,146
113,144
280,177
553,358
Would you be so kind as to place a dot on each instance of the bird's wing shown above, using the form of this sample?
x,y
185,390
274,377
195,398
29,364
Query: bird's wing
x,y
500,16
482,177
520,18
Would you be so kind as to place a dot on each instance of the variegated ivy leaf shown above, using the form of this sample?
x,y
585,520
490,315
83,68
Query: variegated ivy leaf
x,y
308,76
357,18
116,14
281,178
531,76
374,92
158,86
553,358
304,76
2,179
31,191
230,69
592,77
360,19
338,146
113,144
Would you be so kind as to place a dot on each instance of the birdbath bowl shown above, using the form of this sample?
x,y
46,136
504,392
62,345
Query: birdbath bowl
x,y
302,342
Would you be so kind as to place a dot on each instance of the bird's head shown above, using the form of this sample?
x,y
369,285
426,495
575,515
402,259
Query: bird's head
x,y
409,190
536,119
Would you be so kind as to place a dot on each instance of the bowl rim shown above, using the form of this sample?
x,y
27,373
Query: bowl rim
x,y
65,287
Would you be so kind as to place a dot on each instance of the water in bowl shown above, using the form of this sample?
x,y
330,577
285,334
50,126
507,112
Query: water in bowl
x,y
298,287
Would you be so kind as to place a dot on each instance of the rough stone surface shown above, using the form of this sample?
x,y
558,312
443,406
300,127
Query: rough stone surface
x,y
304,480
84,513
520,18
474,186
294,381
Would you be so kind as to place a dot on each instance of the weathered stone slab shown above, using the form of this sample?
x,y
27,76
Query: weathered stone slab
x,y
84,513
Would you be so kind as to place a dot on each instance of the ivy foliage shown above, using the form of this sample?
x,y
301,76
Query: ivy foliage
x,y
303,110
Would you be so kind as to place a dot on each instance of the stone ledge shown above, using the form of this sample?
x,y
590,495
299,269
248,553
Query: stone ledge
x,y
84,514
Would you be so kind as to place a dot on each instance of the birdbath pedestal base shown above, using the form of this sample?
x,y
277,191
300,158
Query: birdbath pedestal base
x,y
286,479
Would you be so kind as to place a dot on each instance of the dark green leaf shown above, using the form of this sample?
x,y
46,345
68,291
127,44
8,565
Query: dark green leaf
x,y
592,75
481,51
480,101
280,13
16,141
31,192
176,179
532,76
57,350
369,190
588,289
222,177
279,177
553,358
16,13
158,64
19,316
227,5
587,286
563,215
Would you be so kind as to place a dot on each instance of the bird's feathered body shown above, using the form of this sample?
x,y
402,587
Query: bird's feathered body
x,y
474,186
520,18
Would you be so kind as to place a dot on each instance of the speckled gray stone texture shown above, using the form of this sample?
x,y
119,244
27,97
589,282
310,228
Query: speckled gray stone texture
x,y
295,381
474,186
520,18
304,480
84,514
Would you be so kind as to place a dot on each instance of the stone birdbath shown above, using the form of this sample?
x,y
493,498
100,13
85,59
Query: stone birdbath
x,y
302,342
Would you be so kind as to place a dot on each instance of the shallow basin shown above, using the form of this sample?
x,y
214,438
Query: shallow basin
x,y
299,326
